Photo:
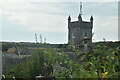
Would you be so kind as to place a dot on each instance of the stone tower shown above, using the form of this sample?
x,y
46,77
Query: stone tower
x,y
80,32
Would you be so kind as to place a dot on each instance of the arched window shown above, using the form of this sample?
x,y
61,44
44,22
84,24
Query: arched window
x,y
73,35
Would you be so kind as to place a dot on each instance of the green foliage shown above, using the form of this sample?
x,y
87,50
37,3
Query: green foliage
x,y
102,62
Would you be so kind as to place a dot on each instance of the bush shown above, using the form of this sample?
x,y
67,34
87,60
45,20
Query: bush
x,y
101,63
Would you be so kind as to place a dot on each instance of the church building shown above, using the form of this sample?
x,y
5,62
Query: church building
x,y
80,32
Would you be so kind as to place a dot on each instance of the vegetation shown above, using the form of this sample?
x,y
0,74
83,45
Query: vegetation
x,y
102,62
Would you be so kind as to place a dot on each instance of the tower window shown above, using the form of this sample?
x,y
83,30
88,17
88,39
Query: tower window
x,y
85,35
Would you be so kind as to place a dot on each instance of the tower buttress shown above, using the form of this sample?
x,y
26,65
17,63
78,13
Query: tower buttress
x,y
91,20
69,20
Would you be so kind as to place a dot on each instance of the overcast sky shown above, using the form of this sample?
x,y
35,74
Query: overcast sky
x,y
21,21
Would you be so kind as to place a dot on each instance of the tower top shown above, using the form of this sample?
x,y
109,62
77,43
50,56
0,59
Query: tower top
x,y
80,8
91,17
69,18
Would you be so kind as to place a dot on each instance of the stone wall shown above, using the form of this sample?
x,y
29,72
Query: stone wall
x,y
10,60
77,31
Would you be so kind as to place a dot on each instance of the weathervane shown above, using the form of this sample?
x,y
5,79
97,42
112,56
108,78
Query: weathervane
x,y
80,8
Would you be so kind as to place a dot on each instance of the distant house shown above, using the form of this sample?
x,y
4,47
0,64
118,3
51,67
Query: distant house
x,y
11,50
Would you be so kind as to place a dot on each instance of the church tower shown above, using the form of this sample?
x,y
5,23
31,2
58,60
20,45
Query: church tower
x,y
80,32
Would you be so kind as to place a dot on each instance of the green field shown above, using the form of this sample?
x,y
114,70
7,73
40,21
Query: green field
x,y
101,62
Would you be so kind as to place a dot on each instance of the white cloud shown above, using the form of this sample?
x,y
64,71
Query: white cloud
x,y
35,16
106,28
